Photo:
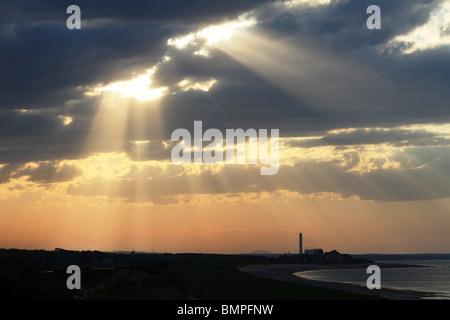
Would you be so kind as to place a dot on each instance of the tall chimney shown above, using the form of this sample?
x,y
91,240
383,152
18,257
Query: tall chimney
x,y
300,244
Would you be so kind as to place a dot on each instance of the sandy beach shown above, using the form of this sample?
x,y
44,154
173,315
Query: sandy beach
x,y
285,272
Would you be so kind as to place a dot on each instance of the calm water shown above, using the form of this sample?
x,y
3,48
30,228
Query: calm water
x,y
435,278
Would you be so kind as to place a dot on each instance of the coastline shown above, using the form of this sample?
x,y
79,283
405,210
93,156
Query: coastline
x,y
285,272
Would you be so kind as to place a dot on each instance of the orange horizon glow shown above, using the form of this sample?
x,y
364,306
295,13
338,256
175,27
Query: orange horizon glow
x,y
230,224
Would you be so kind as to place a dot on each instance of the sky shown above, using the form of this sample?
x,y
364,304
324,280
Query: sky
x,y
86,117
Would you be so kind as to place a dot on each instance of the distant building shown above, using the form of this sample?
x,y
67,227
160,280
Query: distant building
x,y
333,256
314,251
314,255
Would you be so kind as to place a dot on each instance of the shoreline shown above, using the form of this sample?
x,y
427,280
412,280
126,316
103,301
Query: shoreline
x,y
285,272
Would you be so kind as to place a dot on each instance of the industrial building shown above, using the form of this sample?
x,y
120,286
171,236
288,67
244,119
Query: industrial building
x,y
315,255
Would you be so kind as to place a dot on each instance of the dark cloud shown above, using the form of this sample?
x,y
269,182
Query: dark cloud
x,y
29,123
43,172
342,24
48,172
395,137
6,171
42,135
132,11
48,65
24,148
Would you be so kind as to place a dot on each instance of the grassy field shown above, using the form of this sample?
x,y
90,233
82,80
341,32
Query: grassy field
x,y
224,281
171,281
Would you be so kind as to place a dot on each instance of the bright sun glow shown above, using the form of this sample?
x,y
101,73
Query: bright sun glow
x,y
436,32
188,84
138,87
66,120
213,34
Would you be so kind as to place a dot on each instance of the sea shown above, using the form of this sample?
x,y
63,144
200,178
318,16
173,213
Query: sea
x,y
427,276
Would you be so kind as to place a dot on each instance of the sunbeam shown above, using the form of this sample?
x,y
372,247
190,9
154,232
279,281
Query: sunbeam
x,y
305,71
